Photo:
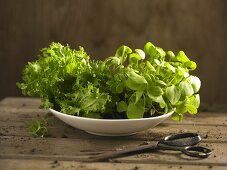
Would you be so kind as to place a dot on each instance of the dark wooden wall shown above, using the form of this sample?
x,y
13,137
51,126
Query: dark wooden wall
x,y
199,27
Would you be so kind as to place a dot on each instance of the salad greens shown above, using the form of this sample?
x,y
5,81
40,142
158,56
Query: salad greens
x,y
131,84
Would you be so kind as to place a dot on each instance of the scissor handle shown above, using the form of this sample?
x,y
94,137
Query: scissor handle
x,y
180,140
197,151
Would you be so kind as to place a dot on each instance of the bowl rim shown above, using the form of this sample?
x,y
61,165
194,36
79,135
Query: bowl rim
x,y
112,120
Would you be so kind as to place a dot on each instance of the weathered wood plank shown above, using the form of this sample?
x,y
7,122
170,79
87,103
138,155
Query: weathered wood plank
x,y
58,129
77,149
14,164
20,101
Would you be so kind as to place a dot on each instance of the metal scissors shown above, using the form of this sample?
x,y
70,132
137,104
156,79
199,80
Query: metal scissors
x,y
183,142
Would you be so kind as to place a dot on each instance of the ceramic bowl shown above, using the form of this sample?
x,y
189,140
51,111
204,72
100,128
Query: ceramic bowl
x,y
111,127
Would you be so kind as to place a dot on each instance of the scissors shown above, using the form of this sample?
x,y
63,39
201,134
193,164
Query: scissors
x,y
183,142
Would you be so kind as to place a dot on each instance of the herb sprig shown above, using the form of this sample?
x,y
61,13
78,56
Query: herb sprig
x,y
38,128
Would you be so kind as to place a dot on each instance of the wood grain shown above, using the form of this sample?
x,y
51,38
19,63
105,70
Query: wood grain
x,y
197,27
14,164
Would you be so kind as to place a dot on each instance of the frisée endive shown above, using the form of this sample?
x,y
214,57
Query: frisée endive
x,y
131,84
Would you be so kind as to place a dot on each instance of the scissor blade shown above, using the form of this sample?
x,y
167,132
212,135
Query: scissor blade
x,y
126,152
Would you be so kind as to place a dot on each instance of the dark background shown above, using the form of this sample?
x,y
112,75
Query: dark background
x,y
198,27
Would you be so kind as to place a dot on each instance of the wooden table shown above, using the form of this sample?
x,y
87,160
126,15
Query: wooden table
x,y
65,146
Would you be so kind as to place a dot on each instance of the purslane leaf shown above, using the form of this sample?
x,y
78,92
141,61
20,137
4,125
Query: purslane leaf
x,y
181,71
158,99
135,111
138,95
190,65
181,56
120,87
122,53
194,100
141,53
133,85
195,82
171,55
191,109
135,81
154,90
150,67
147,47
186,88
177,116
122,106
173,94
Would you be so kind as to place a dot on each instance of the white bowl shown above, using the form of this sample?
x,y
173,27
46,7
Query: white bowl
x,y
111,127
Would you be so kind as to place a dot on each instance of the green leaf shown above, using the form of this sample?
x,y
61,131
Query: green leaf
x,y
173,94
39,127
115,60
156,61
122,106
141,53
181,71
135,111
122,53
190,65
170,67
195,82
158,99
161,52
195,100
147,47
181,109
150,67
186,88
181,56
191,109
177,117
138,95
154,90
152,51
171,55
181,106
161,82
136,77
135,81
133,85
135,56
120,87
70,68
93,115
